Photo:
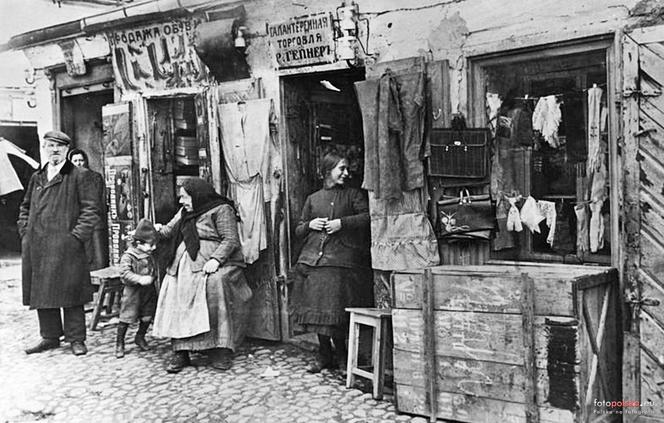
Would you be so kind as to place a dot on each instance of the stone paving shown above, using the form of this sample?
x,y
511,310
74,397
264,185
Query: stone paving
x,y
59,387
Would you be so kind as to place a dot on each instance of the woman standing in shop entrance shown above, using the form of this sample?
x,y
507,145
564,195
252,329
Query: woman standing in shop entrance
x,y
333,270
203,301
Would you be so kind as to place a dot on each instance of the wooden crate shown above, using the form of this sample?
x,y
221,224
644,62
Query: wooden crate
x,y
509,343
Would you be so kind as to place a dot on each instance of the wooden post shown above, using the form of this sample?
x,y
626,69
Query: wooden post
x,y
528,321
430,369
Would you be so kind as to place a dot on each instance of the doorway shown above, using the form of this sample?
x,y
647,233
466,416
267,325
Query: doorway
x,y
81,119
321,115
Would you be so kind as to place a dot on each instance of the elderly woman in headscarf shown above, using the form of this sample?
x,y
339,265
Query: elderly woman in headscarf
x,y
203,301
333,269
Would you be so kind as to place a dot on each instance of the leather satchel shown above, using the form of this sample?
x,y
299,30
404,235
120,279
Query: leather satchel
x,y
466,217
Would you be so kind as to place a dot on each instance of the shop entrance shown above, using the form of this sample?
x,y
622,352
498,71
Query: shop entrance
x,y
321,115
81,119
173,151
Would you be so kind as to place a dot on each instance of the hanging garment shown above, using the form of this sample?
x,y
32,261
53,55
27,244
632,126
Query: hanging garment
x,y
596,231
9,180
582,230
401,235
248,197
563,242
546,119
594,114
503,238
245,131
515,128
548,210
393,121
493,103
513,216
530,215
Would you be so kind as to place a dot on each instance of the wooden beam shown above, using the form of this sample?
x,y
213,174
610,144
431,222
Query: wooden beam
x,y
429,346
528,323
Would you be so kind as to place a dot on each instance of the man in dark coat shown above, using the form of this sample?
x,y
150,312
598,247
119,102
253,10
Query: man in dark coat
x,y
56,218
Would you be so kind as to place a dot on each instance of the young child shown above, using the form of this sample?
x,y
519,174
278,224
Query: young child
x,y
139,298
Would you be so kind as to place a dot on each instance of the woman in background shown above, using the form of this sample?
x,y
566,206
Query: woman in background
x,y
97,247
333,269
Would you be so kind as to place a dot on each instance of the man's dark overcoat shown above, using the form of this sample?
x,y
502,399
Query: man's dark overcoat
x,y
56,218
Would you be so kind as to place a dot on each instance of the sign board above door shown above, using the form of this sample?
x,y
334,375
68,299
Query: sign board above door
x,y
303,40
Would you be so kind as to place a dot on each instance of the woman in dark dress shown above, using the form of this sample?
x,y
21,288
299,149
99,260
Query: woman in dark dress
x,y
333,270
97,246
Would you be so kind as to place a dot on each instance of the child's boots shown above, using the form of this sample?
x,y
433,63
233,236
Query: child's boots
x,y
120,340
139,339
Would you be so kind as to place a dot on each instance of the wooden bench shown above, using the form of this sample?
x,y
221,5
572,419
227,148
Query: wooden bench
x,y
379,320
109,291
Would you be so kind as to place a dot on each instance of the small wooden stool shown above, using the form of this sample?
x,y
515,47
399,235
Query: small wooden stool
x,y
110,284
378,319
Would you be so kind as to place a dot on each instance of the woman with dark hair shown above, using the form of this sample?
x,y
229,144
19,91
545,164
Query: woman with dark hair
x,y
204,296
333,269
97,247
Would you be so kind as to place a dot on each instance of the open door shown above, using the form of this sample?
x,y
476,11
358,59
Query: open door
x,y
643,203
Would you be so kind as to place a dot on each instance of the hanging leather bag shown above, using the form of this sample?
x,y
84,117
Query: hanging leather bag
x,y
466,217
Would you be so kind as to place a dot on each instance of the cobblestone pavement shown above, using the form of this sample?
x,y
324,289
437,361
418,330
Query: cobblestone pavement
x,y
59,387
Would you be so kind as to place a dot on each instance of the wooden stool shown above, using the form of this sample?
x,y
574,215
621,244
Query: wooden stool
x,y
110,284
378,319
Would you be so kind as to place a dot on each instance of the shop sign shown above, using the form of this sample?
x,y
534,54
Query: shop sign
x,y
304,40
121,212
157,56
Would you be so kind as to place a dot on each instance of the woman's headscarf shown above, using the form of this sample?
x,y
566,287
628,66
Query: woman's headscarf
x,y
203,199
75,151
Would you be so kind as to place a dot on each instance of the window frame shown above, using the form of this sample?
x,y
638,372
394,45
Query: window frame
x,y
476,79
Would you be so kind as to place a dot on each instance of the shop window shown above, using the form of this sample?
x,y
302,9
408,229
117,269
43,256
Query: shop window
x,y
550,157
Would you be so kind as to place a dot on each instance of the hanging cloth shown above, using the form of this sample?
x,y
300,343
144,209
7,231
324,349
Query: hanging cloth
x,y
503,238
582,230
548,210
401,235
594,120
513,216
245,131
530,215
546,119
393,122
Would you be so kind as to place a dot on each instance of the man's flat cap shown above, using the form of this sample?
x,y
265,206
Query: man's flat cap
x,y
57,136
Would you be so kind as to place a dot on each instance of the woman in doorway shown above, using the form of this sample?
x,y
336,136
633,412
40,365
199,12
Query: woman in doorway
x,y
204,296
97,246
333,270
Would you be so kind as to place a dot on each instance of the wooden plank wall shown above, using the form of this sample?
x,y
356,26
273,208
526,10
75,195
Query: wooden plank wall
x,y
651,201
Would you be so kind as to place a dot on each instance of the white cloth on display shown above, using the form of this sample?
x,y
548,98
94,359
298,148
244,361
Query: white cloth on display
x,y
594,121
548,210
530,215
513,216
546,119
245,133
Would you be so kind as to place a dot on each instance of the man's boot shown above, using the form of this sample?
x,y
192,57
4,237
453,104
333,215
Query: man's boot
x,y
120,340
139,339
324,359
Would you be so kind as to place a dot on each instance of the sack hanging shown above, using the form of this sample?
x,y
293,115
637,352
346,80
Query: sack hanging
x,y
466,217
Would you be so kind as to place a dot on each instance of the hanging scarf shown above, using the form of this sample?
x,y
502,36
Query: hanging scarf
x,y
203,198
